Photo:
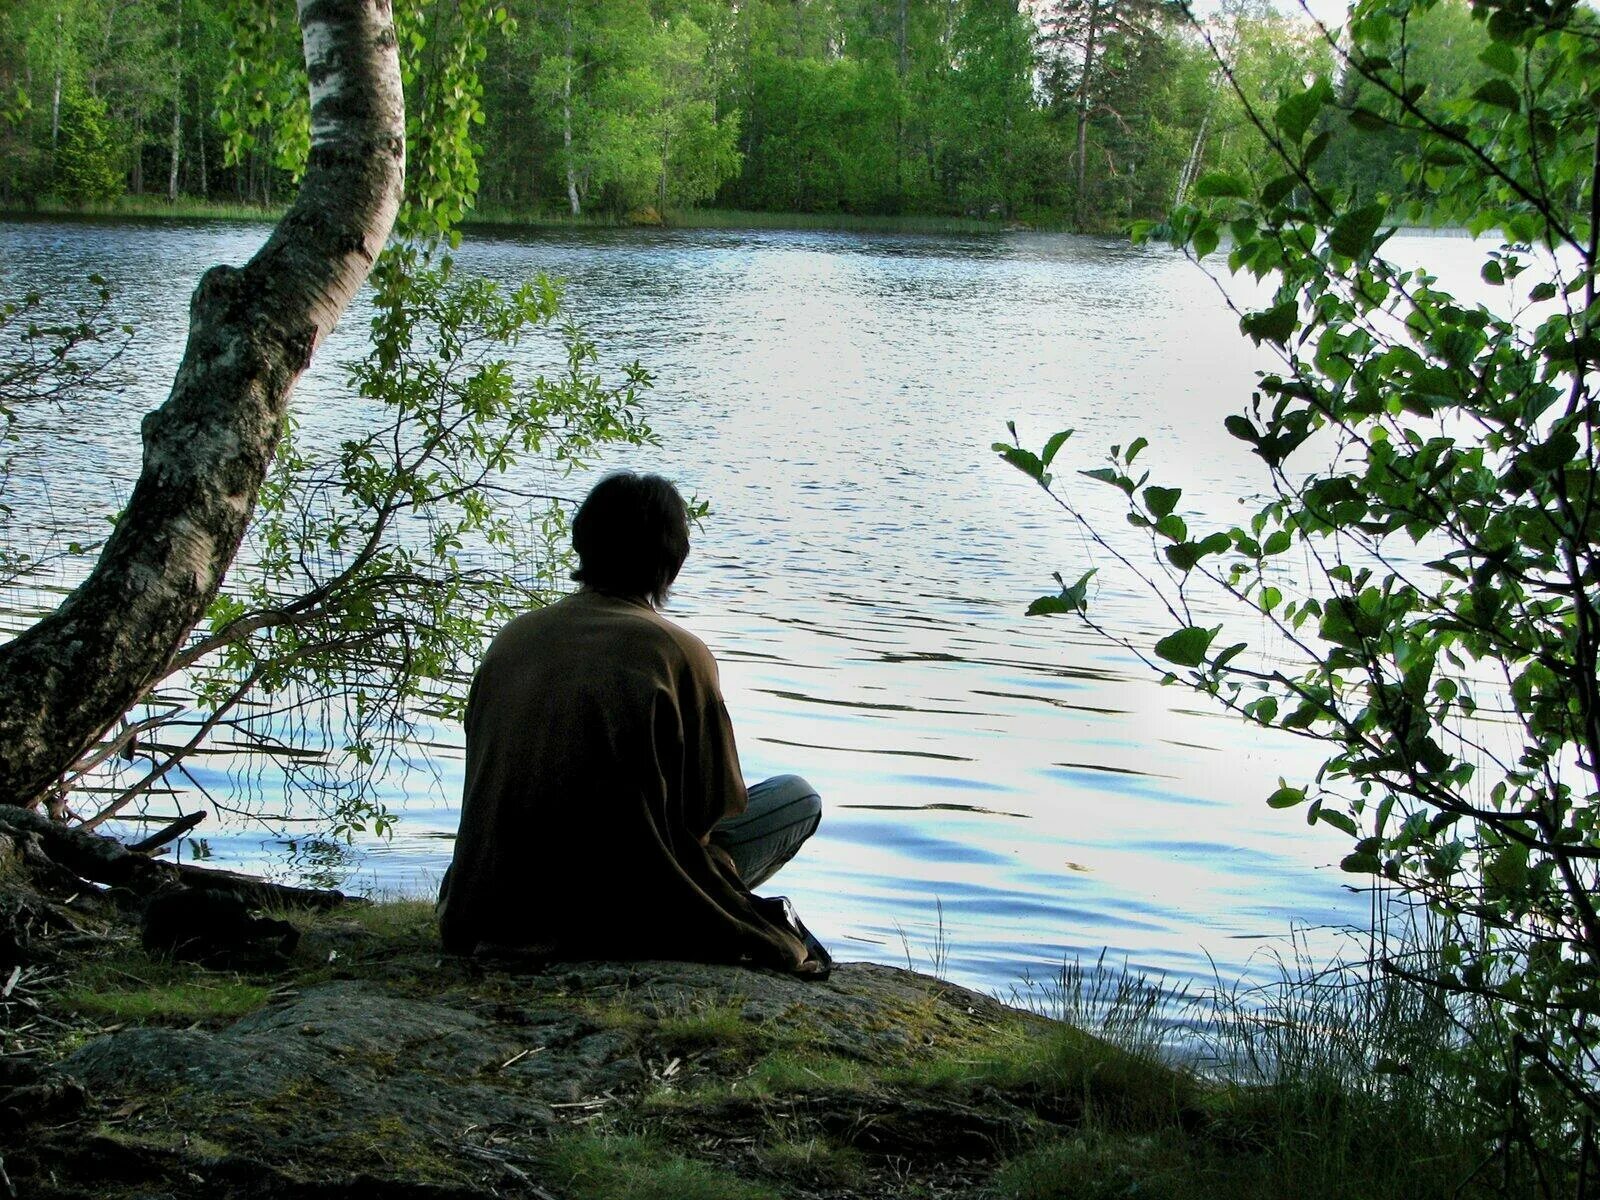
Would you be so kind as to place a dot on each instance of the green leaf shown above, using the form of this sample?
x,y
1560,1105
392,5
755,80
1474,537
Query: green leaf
x,y
1023,460
1353,233
1187,647
1304,716
1557,451
1361,864
1500,57
1276,324
1241,428
1286,797
1278,190
1506,25
1221,184
1161,500
1229,654
1183,556
1338,820
1499,93
1105,475
1295,114
1172,527
1053,446
1365,118
1068,600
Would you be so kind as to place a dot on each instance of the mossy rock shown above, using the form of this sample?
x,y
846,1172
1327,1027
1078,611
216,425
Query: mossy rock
x,y
379,1060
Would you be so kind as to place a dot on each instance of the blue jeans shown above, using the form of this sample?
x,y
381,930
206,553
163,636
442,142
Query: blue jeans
x,y
783,812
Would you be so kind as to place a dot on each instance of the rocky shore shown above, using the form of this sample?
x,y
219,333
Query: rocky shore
x,y
372,1066
347,1057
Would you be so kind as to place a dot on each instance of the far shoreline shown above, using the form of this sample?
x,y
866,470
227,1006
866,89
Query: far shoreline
x,y
151,208
157,210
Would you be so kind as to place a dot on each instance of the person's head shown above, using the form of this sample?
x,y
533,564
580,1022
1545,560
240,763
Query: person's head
x,y
632,535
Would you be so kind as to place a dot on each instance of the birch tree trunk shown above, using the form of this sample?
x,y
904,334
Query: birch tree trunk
x,y
177,104
902,66
566,120
1191,167
1081,150
252,332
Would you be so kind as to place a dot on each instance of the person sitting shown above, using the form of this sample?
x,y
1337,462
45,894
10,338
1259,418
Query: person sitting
x,y
604,814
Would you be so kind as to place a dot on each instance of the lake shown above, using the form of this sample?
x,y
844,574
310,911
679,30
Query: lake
x,y
1001,792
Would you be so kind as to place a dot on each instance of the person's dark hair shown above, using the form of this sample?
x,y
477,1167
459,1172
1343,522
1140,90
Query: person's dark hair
x,y
632,535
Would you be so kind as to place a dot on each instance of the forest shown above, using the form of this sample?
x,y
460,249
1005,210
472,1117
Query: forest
x,y
1084,114
1411,579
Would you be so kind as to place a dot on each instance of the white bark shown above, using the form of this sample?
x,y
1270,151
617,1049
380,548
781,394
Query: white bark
x,y
207,449
1081,151
566,121
177,104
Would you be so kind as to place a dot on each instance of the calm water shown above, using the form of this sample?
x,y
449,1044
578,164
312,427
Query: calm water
x,y
864,570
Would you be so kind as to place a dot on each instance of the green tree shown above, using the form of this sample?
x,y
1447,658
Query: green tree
x,y
376,566
1425,567
89,161
823,139
1437,49
990,117
698,151
1260,56
1098,55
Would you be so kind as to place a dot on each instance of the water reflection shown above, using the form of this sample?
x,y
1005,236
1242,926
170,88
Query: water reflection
x,y
863,573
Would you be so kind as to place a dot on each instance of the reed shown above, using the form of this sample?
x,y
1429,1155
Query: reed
x,y
1328,1080
184,208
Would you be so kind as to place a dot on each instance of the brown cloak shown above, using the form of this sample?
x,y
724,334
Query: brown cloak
x,y
599,755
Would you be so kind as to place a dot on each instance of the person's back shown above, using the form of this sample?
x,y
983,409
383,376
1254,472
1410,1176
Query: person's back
x,y
599,759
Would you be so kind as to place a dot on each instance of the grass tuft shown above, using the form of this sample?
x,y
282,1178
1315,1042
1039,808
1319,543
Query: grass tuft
x,y
179,1000
796,1071
184,208
395,919
594,1167
716,1027
816,1161
1094,1167
1328,1083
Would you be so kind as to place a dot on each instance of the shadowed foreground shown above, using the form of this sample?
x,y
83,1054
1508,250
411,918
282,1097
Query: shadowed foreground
x,y
362,1063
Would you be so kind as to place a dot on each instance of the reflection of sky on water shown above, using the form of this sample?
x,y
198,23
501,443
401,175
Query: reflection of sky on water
x,y
863,572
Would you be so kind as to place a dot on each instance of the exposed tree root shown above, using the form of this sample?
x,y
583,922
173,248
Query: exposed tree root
x,y
58,860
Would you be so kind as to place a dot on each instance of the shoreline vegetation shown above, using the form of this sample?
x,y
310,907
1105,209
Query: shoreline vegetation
x,y
959,110
364,1064
158,1038
490,217
157,208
